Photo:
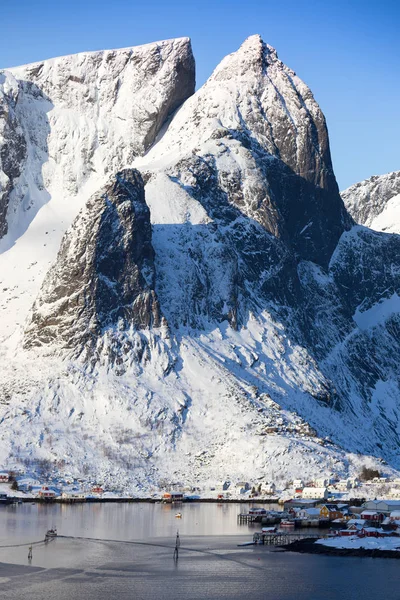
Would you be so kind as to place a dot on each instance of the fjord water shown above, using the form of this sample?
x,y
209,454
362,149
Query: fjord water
x,y
211,566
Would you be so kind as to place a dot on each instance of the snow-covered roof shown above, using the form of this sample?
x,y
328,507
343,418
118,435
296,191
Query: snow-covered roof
x,y
311,511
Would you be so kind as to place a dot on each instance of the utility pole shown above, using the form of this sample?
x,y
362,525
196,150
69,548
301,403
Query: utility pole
x,y
177,545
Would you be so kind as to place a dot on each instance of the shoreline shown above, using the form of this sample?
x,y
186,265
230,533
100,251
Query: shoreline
x,y
91,500
308,546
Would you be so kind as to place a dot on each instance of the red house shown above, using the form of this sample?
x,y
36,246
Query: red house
x,y
370,532
372,515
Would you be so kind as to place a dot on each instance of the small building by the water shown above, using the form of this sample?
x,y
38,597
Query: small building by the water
x,y
308,514
172,497
46,493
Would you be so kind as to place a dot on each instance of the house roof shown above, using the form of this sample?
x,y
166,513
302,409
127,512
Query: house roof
x,y
331,507
312,511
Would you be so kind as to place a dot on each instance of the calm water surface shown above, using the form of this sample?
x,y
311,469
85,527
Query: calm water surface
x,y
210,566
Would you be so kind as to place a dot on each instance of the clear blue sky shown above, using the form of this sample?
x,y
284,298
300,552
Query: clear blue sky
x,y
348,52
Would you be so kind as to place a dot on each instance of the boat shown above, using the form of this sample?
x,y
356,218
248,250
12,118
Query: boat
x,y
51,533
178,516
287,524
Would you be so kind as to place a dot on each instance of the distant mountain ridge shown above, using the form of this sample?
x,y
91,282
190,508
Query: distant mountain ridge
x,y
375,202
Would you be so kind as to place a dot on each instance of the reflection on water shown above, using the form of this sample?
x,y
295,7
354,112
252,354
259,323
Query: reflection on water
x,y
24,522
210,566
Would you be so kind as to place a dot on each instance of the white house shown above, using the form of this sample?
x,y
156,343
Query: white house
x,y
298,483
268,488
309,514
343,485
321,482
353,482
313,492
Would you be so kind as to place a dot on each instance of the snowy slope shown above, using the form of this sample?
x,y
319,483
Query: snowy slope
x,y
82,117
254,332
375,202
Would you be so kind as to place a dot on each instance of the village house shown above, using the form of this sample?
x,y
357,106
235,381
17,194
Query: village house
x,y
372,532
321,482
268,488
170,497
4,477
257,511
298,484
394,516
317,493
352,529
242,487
308,514
372,515
357,522
46,493
73,495
294,503
382,506
353,482
97,489
330,512
343,485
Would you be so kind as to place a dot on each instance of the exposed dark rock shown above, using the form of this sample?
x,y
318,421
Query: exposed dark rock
x,y
12,145
104,274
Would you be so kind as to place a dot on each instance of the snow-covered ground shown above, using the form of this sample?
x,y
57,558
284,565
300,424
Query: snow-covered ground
x,y
367,543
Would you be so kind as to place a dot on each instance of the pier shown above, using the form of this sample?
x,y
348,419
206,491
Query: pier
x,y
281,538
246,518
265,519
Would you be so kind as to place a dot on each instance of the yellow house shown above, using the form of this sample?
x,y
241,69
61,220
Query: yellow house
x,y
331,512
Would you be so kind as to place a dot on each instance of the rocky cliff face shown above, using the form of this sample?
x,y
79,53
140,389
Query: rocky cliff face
x,y
256,129
12,144
104,274
78,112
282,339
375,202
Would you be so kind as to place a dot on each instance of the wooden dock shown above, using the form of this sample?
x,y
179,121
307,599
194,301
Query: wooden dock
x,y
264,519
246,518
281,538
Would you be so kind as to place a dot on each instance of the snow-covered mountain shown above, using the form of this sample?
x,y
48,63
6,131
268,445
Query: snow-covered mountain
x,y
188,299
375,202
